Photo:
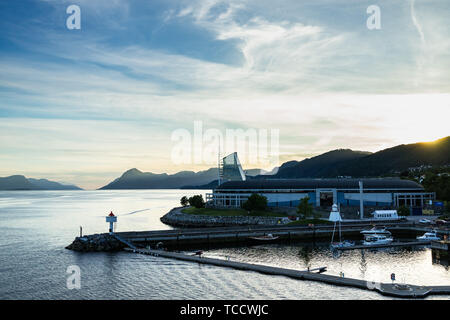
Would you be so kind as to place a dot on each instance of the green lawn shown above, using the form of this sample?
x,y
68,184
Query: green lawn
x,y
231,212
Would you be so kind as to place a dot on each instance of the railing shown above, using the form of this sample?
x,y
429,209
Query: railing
x,y
128,243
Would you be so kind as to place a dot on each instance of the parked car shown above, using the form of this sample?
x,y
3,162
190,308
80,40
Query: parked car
x,y
440,222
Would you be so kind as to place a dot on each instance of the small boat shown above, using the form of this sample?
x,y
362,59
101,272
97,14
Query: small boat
x,y
267,237
377,239
376,231
428,236
342,244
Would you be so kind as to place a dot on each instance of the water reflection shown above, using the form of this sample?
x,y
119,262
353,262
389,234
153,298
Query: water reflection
x,y
305,254
363,264
437,258
368,264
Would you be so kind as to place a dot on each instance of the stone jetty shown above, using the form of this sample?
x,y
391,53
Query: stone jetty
x,y
95,243
177,218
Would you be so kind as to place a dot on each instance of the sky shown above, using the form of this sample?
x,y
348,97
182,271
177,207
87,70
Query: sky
x,y
84,105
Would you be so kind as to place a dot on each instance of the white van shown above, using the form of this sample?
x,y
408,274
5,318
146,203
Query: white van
x,y
385,214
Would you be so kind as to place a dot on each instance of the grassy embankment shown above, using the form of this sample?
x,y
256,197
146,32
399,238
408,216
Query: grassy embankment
x,y
242,212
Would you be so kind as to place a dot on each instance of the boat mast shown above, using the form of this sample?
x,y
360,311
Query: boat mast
x,y
218,163
332,236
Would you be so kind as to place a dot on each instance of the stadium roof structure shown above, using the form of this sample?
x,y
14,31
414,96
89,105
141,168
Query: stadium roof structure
x,y
368,183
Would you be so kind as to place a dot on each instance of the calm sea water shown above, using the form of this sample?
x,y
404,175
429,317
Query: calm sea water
x,y
37,225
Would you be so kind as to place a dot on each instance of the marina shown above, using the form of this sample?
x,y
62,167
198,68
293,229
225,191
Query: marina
x,y
212,236
389,289
374,238
156,277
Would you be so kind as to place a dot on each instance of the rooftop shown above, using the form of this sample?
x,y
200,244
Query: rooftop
x,y
371,183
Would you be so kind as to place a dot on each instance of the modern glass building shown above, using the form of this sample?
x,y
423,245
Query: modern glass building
x,y
230,169
384,192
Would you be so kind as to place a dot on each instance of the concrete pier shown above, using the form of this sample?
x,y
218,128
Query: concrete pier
x,y
388,245
389,289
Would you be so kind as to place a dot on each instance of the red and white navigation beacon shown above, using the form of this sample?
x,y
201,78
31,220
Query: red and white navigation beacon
x,y
111,218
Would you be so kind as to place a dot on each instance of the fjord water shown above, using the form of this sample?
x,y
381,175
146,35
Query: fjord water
x,y
37,225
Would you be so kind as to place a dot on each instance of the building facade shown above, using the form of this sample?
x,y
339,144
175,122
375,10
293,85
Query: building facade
x,y
389,192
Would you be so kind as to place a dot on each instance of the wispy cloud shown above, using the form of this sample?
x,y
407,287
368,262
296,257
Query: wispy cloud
x,y
416,23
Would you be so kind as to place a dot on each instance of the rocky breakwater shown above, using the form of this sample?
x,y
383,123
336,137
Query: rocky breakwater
x,y
177,218
95,243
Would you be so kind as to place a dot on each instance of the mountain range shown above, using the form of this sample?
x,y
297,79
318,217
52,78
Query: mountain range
x,y
135,179
386,162
332,164
19,182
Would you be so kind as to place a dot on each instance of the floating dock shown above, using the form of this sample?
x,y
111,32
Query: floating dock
x,y
389,289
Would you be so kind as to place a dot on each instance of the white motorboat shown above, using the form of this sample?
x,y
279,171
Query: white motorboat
x,y
377,239
376,231
428,236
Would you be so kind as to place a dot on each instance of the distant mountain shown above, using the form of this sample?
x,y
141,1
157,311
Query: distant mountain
x,y
52,185
207,186
399,158
19,182
323,165
135,179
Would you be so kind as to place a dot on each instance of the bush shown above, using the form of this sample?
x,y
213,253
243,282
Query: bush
x,y
255,202
197,201
403,211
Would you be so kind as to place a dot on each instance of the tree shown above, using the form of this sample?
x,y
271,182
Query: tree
x,y
197,201
447,207
305,208
439,183
184,201
403,211
255,202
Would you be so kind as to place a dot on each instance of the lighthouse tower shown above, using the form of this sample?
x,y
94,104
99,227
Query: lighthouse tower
x,y
335,214
111,218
